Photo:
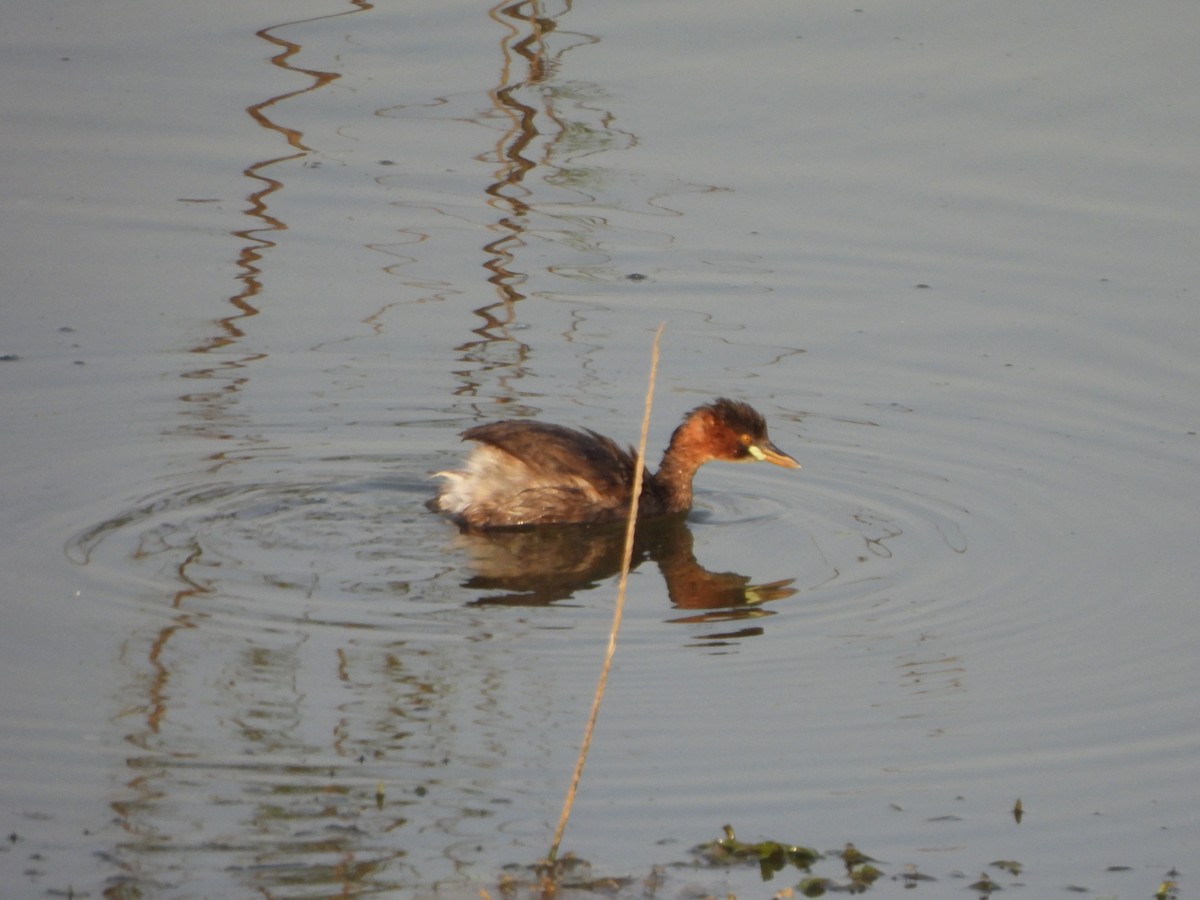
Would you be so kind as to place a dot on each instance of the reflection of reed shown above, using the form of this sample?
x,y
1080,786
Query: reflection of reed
x,y
168,736
254,241
210,407
522,100
527,567
506,193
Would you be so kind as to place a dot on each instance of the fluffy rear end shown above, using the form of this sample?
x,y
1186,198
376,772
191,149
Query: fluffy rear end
x,y
497,490
490,477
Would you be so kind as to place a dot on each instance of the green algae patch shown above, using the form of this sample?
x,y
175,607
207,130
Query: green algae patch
x,y
771,856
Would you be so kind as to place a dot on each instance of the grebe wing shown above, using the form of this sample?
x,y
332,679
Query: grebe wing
x,y
552,450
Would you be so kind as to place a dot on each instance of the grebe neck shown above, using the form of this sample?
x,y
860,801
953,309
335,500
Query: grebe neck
x,y
673,480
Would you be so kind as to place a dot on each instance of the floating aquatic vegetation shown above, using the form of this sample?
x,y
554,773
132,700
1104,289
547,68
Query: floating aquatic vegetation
x,y
985,885
774,856
771,856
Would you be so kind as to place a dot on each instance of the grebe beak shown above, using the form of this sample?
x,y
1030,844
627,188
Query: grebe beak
x,y
765,451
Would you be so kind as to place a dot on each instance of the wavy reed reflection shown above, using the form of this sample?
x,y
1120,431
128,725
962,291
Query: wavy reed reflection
x,y
226,765
554,215
208,407
525,39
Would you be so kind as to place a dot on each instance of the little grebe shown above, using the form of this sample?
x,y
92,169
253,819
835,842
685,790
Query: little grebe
x,y
529,473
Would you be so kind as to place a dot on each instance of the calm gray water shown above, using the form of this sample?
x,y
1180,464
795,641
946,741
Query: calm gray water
x,y
263,262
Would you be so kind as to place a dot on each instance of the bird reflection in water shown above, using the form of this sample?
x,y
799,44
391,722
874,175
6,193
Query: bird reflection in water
x,y
539,566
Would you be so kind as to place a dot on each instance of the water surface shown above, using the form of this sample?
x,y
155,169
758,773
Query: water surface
x,y
262,265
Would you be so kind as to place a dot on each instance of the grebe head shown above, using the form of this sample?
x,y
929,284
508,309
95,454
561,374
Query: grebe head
x,y
731,431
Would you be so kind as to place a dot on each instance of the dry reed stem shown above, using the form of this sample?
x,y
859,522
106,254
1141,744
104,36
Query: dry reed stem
x,y
627,558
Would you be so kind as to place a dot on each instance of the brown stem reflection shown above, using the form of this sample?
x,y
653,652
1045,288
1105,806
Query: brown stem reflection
x,y
211,406
167,739
534,136
507,193
538,566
